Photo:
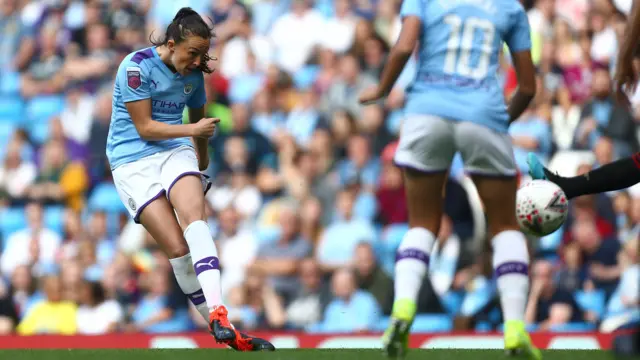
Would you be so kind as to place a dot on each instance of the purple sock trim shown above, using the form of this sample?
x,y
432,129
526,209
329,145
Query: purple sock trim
x,y
197,297
180,177
208,263
412,254
512,267
136,218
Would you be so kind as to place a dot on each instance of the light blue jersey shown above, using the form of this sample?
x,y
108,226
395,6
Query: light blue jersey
x,y
142,75
458,59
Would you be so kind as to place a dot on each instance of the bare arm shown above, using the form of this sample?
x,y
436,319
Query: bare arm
x,y
201,144
400,53
626,75
151,130
525,72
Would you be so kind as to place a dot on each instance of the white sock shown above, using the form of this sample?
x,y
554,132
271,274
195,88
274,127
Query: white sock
x,y
412,263
511,266
205,261
189,284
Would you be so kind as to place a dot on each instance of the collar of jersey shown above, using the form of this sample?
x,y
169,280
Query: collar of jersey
x,y
164,66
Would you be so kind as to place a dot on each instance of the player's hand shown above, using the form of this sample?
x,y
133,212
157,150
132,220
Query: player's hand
x,y
205,127
370,95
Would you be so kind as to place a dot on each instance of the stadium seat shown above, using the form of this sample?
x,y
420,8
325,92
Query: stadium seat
x,y
452,301
429,323
483,326
391,238
41,109
54,219
306,76
11,220
39,134
9,83
591,301
573,327
477,299
528,327
105,198
11,109
550,243
423,323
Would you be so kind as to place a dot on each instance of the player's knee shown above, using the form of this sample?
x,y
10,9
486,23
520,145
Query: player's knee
x,y
177,251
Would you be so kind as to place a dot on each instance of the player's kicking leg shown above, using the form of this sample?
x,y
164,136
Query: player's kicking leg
x,y
488,157
186,197
617,175
424,152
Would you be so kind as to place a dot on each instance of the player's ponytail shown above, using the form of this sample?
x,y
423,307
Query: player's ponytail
x,y
187,22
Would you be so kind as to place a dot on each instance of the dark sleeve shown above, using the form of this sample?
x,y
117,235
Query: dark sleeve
x,y
8,309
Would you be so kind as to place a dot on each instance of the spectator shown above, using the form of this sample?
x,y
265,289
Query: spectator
x,y
360,163
237,248
35,245
600,256
280,261
16,174
361,307
392,203
624,307
296,34
261,305
548,305
602,116
307,306
155,313
531,133
17,43
44,75
24,288
96,314
371,278
344,92
340,28
52,316
59,180
572,277
337,244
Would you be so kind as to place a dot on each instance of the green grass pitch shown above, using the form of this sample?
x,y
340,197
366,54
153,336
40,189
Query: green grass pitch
x,y
289,354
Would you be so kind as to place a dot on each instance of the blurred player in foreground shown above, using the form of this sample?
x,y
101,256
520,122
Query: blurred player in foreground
x,y
156,169
455,104
619,174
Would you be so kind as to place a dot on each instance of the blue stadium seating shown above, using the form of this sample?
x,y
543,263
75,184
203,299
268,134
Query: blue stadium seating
x,y
452,301
105,198
573,327
528,327
475,300
9,83
11,109
423,323
11,220
41,109
591,301
54,218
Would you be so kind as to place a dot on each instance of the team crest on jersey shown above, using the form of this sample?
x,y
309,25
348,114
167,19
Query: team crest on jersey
x,y
132,204
188,89
133,77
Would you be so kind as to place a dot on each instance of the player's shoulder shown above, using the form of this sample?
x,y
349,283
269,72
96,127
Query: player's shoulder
x,y
140,59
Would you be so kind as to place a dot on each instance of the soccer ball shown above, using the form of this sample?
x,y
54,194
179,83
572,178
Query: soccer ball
x,y
541,207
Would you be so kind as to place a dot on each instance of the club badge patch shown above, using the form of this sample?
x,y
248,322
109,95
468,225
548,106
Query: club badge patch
x,y
188,89
133,78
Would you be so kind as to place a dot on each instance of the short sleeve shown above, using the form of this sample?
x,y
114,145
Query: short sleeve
x,y
518,37
134,82
199,97
411,8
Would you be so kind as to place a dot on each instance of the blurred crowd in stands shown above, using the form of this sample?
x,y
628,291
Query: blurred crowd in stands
x,y
307,207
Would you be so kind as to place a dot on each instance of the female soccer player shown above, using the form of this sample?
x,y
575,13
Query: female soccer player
x,y
156,162
455,104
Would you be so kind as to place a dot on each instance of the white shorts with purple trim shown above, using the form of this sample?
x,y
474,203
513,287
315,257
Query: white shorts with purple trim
x,y
141,182
429,143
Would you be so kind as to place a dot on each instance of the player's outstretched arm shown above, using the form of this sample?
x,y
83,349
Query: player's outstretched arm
x,y
151,130
626,77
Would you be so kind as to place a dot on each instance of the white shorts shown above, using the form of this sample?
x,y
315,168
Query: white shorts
x,y
429,143
141,182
